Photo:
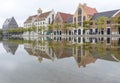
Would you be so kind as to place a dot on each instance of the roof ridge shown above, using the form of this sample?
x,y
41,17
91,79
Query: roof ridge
x,y
65,13
108,11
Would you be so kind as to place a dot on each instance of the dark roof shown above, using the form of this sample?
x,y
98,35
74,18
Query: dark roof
x,y
10,23
107,14
70,20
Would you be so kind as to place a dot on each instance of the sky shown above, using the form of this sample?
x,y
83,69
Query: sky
x,y
21,9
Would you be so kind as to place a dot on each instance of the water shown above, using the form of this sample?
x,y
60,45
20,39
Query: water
x,y
60,60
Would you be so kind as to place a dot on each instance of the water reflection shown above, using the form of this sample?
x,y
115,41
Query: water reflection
x,y
10,47
84,50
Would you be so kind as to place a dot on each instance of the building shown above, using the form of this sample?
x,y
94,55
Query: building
x,y
83,13
108,18
61,19
40,20
10,23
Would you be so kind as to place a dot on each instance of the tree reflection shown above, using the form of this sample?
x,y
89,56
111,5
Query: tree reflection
x,y
83,53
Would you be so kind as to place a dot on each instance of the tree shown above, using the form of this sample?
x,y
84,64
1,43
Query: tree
x,y
115,21
86,24
50,27
75,25
0,31
33,28
101,22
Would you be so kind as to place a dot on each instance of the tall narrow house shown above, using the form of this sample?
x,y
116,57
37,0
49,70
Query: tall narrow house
x,y
83,13
10,23
60,20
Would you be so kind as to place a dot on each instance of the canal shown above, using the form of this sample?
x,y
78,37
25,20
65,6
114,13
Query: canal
x,y
60,60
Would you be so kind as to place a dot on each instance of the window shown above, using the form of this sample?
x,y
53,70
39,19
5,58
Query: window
x,y
75,19
79,18
79,11
84,18
53,17
49,20
80,23
108,22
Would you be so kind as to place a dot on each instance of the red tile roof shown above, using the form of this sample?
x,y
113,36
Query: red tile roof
x,y
37,17
90,11
65,16
29,19
43,15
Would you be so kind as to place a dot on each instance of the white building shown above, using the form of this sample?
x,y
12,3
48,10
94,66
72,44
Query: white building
x,y
40,20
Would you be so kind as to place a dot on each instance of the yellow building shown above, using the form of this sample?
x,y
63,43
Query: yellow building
x,y
83,13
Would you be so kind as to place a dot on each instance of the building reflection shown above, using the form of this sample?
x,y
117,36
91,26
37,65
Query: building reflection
x,y
82,56
40,49
10,47
84,51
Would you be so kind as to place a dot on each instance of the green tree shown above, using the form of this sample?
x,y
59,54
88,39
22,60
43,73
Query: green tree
x,y
101,23
86,24
0,31
33,28
50,27
115,21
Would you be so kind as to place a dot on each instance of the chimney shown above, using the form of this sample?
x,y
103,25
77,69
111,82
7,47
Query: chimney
x,y
85,4
39,11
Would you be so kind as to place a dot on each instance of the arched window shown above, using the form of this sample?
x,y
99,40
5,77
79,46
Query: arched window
x,y
79,32
79,11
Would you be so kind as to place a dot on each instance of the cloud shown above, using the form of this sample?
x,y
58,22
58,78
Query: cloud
x,y
21,9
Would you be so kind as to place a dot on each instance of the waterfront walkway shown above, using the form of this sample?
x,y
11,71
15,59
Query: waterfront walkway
x,y
64,36
79,35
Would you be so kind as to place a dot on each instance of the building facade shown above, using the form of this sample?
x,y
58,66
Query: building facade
x,y
83,13
60,21
105,23
10,23
40,20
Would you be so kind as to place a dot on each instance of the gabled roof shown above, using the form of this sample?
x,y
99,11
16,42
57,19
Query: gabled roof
x,y
65,16
90,11
107,14
10,23
8,20
37,17
29,19
43,15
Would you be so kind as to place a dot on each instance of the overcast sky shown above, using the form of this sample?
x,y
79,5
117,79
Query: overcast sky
x,y
21,9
